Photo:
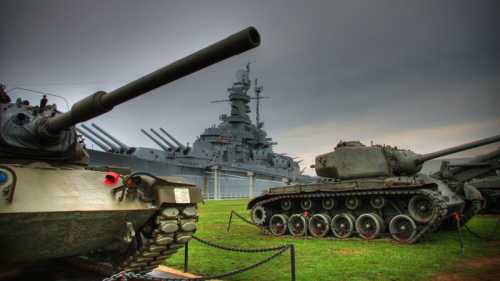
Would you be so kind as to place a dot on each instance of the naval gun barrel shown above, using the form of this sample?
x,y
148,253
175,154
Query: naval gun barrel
x,y
180,145
425,157
101,102
163,139
94,140
162,146
113,147
124,148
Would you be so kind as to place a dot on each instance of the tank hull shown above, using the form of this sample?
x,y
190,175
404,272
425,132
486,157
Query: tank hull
x,y
75,212
29,237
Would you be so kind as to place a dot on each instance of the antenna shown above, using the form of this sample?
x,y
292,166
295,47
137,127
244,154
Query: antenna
x,y
258,89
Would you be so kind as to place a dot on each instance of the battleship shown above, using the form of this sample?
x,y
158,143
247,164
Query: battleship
x,y
232,159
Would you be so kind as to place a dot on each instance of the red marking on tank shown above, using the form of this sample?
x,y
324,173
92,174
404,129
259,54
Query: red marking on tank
x,y
111,178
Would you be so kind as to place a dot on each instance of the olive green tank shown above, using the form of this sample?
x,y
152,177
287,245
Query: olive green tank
x,y
52,205
482,172
368,191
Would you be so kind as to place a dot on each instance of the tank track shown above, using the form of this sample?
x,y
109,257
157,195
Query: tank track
x,y
439,205
173,226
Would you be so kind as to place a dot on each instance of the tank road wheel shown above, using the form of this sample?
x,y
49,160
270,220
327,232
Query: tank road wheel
x,y
369,226
306,204
352,202
328,203
403,228
421,208
286,205
343,225
377,202
278,224
319,225
260,215
297,225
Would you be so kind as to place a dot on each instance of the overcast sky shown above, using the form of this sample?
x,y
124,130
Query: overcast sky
x,y
421,75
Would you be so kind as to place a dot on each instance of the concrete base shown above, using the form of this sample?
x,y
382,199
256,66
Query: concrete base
x,y
168,272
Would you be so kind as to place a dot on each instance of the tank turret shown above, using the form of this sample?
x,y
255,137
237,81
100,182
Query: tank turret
x,y
351,160
30,133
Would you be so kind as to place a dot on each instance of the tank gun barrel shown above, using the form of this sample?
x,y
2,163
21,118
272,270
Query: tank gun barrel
x,y
101,102
425,157
180,145
123,146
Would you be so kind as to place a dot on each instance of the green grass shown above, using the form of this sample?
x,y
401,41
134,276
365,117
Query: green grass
x,y
326,259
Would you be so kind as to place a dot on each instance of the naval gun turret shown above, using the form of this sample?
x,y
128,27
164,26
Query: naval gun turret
x,y
53,206
366,190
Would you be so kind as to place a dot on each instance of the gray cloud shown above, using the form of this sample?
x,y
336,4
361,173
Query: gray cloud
x,y
332,66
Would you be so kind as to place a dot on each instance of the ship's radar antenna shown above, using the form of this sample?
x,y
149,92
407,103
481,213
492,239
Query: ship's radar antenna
x,y
238,94
258,89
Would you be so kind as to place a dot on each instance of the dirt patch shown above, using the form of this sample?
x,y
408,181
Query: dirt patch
x,y
480,269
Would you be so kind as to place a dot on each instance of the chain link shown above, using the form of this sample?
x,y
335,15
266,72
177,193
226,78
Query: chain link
x,y
279,250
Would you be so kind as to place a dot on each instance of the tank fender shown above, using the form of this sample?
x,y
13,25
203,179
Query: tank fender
x,y
255,200
175,190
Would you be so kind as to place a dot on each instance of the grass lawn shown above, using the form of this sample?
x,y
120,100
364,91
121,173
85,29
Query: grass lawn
x,y
327,259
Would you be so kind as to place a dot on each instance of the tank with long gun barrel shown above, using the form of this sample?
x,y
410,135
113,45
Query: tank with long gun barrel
x,y
366,189
56,207
481,172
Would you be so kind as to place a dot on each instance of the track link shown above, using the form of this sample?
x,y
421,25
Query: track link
x,y
173,226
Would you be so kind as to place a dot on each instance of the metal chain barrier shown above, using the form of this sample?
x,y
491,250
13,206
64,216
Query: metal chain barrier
x,y
279,250
242,218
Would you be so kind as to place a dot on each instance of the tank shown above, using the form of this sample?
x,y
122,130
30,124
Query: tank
x,y
482,172
369,191
53,205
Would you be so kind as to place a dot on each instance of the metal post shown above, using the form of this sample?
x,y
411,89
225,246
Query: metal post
x,y
186,256
230,220
216,183
459,229
251,184
205,186
292,262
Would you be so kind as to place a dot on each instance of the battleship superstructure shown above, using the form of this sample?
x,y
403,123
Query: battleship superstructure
x,y
236,148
